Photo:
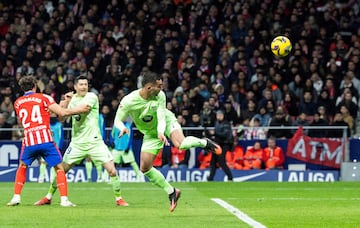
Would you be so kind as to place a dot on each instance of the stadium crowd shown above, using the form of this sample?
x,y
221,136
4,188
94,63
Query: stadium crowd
x,y
211,54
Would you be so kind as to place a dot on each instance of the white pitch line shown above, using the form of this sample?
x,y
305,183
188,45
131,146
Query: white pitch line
x,y
241,215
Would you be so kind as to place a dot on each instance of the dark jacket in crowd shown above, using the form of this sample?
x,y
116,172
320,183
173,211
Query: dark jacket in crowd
x,y
223,132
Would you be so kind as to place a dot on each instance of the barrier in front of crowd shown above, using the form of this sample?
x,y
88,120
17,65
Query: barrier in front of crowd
x,y
9,155
78,174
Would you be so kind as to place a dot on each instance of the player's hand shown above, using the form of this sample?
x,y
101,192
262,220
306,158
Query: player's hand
x,y
68,96
163,139
124,131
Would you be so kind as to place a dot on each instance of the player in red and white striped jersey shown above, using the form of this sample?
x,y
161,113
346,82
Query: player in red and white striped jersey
x,y
33,110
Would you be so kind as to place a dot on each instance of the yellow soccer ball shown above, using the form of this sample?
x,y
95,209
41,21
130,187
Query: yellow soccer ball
x,y
281,46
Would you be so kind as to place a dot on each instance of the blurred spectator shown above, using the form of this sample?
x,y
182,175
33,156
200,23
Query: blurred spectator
x,y
318,122
325,101
324,114
301,120
273,155
250,111
230,113
207,115
255,131
349,101
296,85
181,120
204,160
350,83
307,104
18,131
7,106
263,116
254,156
338,121
5,134
235,158
275,91
195,122
159,161
280,119
176,158
290,104
347,117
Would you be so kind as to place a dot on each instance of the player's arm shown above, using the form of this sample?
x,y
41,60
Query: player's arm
x,y
63,112
161,113
120,116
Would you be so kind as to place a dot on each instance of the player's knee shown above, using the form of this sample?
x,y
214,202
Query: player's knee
x,y
176,143
144,169
112,172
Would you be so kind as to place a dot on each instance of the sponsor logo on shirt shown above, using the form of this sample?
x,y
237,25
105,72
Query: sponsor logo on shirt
x,y
147,118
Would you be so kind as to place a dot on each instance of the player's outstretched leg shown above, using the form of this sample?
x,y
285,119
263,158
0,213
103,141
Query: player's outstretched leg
x,y
191,141
213,147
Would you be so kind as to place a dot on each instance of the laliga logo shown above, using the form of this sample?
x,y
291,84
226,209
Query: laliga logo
x,y
8,152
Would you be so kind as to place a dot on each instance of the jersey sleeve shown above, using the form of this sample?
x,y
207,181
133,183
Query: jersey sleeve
x,y
48,100
121,114
161,112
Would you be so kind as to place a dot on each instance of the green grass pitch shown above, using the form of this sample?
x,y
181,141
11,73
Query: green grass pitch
x,y
272,204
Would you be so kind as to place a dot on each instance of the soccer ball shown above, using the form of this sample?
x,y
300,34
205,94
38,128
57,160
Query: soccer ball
x,y
281,46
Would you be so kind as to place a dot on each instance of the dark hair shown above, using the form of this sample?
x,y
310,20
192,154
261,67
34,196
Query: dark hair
x,y
150,77
27,83
80,77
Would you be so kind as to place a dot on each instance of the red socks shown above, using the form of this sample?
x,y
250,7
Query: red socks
x,y
20,179
62,182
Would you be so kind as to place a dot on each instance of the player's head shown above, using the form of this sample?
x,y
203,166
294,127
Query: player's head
x,y
152,83
271,142
81,85
27,83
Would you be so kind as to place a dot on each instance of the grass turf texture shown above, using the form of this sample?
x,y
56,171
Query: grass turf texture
x,y
272,204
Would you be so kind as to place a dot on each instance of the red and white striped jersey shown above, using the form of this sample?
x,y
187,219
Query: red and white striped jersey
x,y
32,110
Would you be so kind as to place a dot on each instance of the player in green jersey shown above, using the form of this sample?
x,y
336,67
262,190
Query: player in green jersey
x,y
86,140
147,108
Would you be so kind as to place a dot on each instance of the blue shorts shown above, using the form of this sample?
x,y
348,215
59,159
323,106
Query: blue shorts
x,y
49,151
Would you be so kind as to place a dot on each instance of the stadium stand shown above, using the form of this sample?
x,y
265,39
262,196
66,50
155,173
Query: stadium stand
x,y
208,51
